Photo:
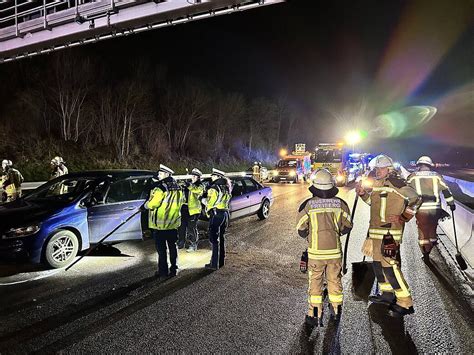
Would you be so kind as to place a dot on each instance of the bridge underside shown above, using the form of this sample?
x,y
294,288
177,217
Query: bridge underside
x,y
29,28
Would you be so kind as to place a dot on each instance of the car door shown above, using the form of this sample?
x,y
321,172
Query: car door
x,y
253,195
239,201
121,199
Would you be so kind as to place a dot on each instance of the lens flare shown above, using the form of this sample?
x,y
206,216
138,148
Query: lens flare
x,y
405,121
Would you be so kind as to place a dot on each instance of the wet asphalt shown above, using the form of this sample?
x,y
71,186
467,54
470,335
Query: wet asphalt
x,y
110,302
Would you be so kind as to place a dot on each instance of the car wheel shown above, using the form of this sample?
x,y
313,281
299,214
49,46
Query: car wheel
x,y
61,249
264,211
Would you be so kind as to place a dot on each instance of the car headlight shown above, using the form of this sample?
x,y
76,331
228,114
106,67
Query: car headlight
x,y
340,178
275,172
292,173
21,232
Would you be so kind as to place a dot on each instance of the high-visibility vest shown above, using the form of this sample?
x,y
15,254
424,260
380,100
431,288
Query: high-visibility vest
x,y
194,202
165,205
218,196
429,184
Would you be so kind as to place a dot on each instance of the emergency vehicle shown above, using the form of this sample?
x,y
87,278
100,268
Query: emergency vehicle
x,y
293,167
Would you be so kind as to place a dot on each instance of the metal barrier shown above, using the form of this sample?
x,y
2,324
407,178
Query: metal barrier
x,y
464,216
27,186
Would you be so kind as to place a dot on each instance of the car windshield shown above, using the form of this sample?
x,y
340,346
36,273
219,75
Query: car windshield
x,y
60,190
328,156
287,163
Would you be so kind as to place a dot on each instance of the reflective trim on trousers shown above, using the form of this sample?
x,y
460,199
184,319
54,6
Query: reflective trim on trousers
x,y
335,298
315,299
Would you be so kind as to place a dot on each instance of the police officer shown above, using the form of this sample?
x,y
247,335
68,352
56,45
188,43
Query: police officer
x,y
429,184
58,167
191,211
164,219
392,203
217,209
322,219
11,182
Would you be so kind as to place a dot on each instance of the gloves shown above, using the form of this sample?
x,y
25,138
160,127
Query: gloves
x,y
304,262
389,246
452,207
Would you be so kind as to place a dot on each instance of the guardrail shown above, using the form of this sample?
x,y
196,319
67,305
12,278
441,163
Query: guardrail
x,y
464,216
27,186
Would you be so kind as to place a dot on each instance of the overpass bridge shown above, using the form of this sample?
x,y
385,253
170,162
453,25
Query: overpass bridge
x,y
32,27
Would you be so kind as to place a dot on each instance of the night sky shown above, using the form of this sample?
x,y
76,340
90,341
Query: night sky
x,y
340,64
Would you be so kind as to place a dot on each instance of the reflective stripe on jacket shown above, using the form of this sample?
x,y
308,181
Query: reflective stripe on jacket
x,y
323,220
165,205
194,203
218,196
390,197
429,184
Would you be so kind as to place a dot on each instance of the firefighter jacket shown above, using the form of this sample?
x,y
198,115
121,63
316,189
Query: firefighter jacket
x,y
218,196
165,203
322,220
194,193
11,182
390,197
429,184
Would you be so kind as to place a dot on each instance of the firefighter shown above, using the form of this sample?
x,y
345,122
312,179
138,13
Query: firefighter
x,y
58,167
392,203
256,171
164,219
429,184
191,211
322,219
11,182
217,209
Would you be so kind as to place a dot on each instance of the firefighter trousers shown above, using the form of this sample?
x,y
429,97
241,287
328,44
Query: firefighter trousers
x,y
427,223
318,272
389,276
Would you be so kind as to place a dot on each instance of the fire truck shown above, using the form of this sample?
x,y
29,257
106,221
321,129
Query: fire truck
x,y
331,156
293,167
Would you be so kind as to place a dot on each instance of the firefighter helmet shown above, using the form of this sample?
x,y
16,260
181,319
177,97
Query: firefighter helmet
x,y
425,160
382,161
6,163
323,180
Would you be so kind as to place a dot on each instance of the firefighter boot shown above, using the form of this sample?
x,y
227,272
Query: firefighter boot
x,y
314,320
335,312
398,311
385,298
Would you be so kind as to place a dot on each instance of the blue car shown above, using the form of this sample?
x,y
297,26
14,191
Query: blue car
x,y
66,215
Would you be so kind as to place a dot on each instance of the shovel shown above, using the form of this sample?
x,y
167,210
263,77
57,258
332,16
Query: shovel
x,y
460,260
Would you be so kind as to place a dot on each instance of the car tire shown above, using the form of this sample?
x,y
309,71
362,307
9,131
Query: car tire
x,y
264,210
61,249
